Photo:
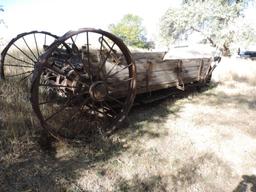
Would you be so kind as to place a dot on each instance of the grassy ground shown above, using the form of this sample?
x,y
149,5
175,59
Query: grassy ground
x,y
202,141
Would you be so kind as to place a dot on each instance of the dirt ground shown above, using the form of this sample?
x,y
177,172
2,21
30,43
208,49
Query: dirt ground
x,y
201,141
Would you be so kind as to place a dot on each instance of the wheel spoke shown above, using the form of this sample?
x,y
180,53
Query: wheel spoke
x,y
44,39
108,54
74,44
76,38
116,100
19,59
27,76
75,113
124,80
36,45
117,83
60,86
108,106
51,101
29,48
101,46
12,65
111,75
30,72
88,56
23,53
61,98
98,111
58,111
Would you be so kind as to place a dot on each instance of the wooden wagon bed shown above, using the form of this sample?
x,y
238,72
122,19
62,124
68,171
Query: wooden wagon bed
x,y
160,70
155,72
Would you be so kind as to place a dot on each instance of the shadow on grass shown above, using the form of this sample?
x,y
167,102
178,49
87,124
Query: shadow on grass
x,y
36,170
26,166
151,111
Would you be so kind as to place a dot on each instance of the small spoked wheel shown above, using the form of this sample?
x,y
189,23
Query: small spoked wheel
x,y
20,55
90,88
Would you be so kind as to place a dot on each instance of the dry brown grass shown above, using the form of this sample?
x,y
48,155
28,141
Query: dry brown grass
x,y
200,142
235,69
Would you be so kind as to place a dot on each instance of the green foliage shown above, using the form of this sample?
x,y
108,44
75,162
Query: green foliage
x,y
215,19
131,31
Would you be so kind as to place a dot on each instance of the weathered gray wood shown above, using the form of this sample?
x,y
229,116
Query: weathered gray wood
x,y
154,73
157,65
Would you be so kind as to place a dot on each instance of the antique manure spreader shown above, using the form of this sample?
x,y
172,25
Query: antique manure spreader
x,y
88,79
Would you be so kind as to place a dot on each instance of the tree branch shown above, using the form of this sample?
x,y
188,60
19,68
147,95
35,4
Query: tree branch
x,y
208,38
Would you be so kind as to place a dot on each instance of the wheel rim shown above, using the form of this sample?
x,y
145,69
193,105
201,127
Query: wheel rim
x,y
92,88
22,52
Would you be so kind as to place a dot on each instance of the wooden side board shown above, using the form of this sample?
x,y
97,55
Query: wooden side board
x,y
154,73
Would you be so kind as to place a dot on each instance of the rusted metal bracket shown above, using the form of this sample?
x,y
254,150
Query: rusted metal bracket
x,y
180,84
148,75
199,77
210,69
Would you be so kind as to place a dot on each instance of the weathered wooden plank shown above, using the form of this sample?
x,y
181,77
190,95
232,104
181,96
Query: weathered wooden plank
x,y
142,88
148,55
158,77
154,73
142,65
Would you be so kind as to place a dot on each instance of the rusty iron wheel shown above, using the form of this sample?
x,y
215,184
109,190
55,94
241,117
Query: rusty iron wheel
x,y
22,52
90,89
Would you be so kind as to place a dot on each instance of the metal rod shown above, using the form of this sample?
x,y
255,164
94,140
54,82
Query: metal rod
x,y
44,39
36,44
108,54
88,56
116,100
20,59
20,74
11,65
110,108
24,53
49,85
59,99
79,110
29,48
119,71
26,76
57,112
77,50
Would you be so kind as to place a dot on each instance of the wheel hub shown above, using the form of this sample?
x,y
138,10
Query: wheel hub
x,y
98,91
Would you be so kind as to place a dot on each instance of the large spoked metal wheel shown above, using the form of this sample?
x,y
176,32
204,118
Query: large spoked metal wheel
x,y
90,88
22,52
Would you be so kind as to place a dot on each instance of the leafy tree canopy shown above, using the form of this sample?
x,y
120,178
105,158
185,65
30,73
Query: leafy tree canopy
x,y
217,20
131,31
